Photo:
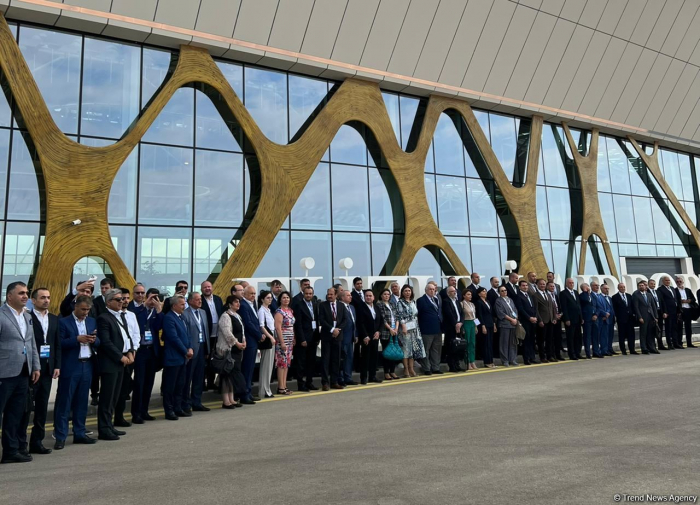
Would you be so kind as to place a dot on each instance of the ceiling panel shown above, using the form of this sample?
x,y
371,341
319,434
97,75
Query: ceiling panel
x,y
648,91
382,36
255,20
611,16
323,28
686,108
218,16
354,30
412,37
572,10
630,18
437,44
602,76
680,91
593,11
663,93
586,71
663,24
290,24
631,90
620,77
650,14
568,66
680,28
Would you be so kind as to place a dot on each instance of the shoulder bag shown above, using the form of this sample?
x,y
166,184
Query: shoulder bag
x,y
393,351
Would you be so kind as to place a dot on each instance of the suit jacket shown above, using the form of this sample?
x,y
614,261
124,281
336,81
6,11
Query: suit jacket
x,y
644,308
154,324
599,311
544,306
251,325
512,291
111,343
70,347
177,340
526,308
667,301
193,328
13,345
570,307
367,325
589,306
303,327
98,303
274,305
606,306
492,296
655,296
357,299
429,316
484,312
53,340
68,304
688,295
502,309
325,319
531,289
219,307
473,290
624,312
451,315
350,324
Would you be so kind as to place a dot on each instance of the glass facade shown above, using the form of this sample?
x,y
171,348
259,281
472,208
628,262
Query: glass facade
x,y
178,205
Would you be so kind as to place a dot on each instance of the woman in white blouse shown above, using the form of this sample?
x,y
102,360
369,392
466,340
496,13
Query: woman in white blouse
x,y
267,346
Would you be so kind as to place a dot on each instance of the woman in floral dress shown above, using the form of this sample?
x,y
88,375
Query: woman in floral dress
x,y
409,336
284,333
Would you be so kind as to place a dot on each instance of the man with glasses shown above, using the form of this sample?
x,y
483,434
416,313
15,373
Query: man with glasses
x,y
181,288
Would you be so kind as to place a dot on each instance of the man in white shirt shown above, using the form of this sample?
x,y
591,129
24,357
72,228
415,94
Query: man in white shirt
x,y
689,308
135,333
395,293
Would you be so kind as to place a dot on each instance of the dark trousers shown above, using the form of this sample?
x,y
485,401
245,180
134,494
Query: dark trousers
x,y
556,339
124,392
685,322
72,395
670,327
587,332
544,341
550,347
173,386
368,359
330,358
40,399
194,381
145,365
573,339
647,333
95,381
110,387
13,403
347,351
449,348
248,366
235,379
209,372
488,343
529,342
305,363
625,334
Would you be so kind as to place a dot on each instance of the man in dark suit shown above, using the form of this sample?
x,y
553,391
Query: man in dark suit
x,y
181,288
556,322
212,307
305,331
646,313
430,324
557,287
572,317
670,312
303,284
331,318
177,352
253,336
276,289
369,322
195,321
527,314
48,343
116,352
625,317
99,301
78,335
474,286
19,362
395,293
350,338
512,285
657,328
492,294
149,315
606,322
531,283
546,316
452,322
358,296
688,304
451,281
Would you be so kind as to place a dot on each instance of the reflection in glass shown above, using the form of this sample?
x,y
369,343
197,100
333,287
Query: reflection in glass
x,y
110,99
563,259
503,141
122,196
482,213
90,265
559,213
276,260
647,250
542,213
123,239
234,75
212,131
266,100
662,227
165,188
449,157
380,205
382,253
486,257
686,176
672,172
409,107
350,199
462,248
355,246
20,259
483,118
452,205
218,192
155,68
619,173
642,216
316,245
163,257
5,114
607,212
554,172
638,172
212,249
4,154
305,95
624,219
312,211
54,60
628,250
391,101
348,146
25,195
603,170
174,123
424,263
432,196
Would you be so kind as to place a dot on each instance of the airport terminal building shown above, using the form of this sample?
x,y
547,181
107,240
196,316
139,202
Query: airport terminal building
x,y
158,140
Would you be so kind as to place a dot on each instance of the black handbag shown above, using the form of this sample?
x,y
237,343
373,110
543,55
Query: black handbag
x,y
459,347
267,343
222,364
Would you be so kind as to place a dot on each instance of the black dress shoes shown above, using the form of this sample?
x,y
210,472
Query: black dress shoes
x,y
350,383
655,351
231,406
256,398
148,417
678,347
645,352
60,444
171,417
84,440
122,423
201,408
691,345
39,449
312,387
15,458
247,401
137,420
108,436
428,373
303,389
95,401
119,433
624,353
183,413
378,381
662,348
634,352
438,372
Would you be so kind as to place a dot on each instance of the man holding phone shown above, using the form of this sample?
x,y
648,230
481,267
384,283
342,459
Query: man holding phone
x,y
149,314
181,288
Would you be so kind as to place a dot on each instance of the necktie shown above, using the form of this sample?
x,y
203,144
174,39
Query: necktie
x,y
624,297
126,330
333,310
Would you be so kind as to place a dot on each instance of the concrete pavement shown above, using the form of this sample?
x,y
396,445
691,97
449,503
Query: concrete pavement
x,y
571,432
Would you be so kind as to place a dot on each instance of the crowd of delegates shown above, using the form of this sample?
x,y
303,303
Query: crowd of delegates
x,y
108,348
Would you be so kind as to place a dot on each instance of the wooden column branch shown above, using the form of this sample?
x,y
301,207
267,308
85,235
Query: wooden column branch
x,y
587,167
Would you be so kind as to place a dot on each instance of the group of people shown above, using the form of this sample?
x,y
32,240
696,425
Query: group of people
x,y
111,346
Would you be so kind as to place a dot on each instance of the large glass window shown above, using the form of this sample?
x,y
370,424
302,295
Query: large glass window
x,y
624,218
266,100
503,141
316,245
452,205
312,211
305,95
4,160
25,196
482,213
212,249
559,213
350,198
449,150
218,188
22,245
165,186
163,257
355,246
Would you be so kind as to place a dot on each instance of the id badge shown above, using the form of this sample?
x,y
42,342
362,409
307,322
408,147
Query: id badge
x,y
411,325
148,337
201,337
477,322
45,351
313,325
